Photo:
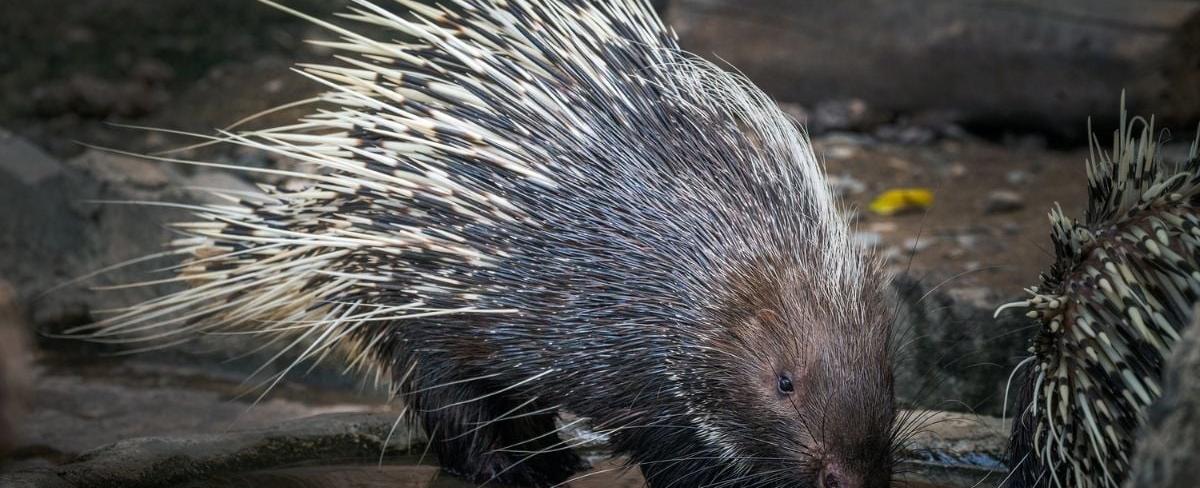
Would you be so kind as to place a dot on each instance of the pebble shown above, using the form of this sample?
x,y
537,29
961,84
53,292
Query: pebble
x,y
1017,177
967,241
1003,201
977,296
840,152
866,240
915,244
909,135
844,184
118,168
847,114
957,170
893,255
882,227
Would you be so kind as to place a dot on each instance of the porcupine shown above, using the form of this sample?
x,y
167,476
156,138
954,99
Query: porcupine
x,y
543,205
1123,285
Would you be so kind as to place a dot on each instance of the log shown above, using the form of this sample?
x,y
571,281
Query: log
x,y
1041,65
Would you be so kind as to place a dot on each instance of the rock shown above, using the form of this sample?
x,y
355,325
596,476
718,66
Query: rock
x,y
916,245
909,55
53,231
1169,443
1003,201
954,355
906,134
967,240
205,182
121,169
14,369
845,115
73,412
1017,177
844,185
24,162
956,170
866,240
168,461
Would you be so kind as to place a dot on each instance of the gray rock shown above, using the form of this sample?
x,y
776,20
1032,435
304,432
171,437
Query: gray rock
x,y
24,162
52,231
168,461
1002,201
119,169
906,134
845,185
204,183
54,228
866,240
845,115
953,355
104,403
906,55
1018,177
1169,444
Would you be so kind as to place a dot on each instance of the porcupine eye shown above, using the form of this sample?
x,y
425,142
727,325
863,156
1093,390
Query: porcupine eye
x,y
785,385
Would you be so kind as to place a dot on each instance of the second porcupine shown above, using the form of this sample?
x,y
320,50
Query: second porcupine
x,y
542,205
1122,288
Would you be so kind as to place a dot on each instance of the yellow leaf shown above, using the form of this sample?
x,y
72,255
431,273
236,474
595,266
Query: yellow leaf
x,y
899,200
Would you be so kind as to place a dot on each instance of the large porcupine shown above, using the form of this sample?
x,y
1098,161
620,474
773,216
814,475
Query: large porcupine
x,y
1110,308
544,205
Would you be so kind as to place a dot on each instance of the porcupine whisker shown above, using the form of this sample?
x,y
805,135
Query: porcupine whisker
x,y
1008,387
453,383
746,478
706,469
509,415
562,444
497,392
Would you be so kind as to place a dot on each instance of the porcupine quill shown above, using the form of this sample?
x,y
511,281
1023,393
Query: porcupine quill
x,y
1110,308
537,205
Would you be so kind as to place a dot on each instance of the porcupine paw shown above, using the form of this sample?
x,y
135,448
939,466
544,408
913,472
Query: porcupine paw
x,y
520,469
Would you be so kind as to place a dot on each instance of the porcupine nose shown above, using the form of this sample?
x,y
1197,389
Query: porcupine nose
x,y
834,476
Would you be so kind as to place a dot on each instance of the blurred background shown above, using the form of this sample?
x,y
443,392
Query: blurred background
x,y
984,104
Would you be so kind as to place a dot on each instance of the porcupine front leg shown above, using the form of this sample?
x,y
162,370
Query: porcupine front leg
x,y
491,439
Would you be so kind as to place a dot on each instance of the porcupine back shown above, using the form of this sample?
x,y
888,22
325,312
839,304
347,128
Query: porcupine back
x,y
1110,308
547,162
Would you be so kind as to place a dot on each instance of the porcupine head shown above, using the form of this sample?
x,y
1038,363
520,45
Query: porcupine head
x,y
518,208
